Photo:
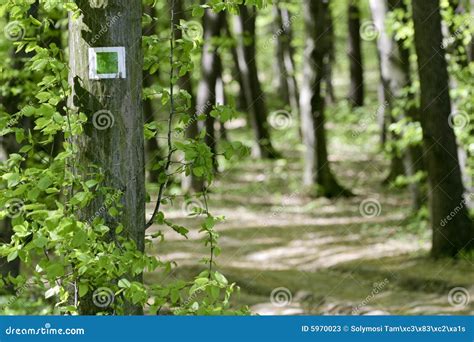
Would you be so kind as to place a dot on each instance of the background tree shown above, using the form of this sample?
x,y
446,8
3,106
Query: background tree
x,y
450,236
287,85
213,24
246,52
356,88
317,172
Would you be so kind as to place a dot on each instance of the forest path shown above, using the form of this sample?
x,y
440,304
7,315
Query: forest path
x,y
358,255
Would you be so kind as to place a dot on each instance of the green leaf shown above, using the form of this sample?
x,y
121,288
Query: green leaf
x,y
13,255
124,283
83,289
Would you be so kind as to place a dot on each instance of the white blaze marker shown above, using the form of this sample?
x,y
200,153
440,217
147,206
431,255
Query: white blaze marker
x,y
107,62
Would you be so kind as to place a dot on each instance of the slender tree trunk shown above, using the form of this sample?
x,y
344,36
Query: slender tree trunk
x,y
213,24
317,171
413,155
220,96
236,73
384,43
113,136
288,87
245,28
391,80
188,182
328,63
356,88
279,66
452,233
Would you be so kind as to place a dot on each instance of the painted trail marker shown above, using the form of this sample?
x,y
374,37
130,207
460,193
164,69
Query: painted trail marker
x,y
107,62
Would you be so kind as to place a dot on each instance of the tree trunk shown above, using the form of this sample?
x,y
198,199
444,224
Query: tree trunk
x,y
213,24
413,156
356,88
317,171
245,28
391,80
288,87
452,233
113,136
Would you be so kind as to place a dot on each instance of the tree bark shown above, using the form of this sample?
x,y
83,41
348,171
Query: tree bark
x,y
452,233
246,53
114,140
213,24
356,88
288,87
317,172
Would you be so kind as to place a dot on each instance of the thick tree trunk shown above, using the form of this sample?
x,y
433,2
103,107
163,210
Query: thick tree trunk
x,y
356,87
113,136
453,230
213,24
317,172
245,29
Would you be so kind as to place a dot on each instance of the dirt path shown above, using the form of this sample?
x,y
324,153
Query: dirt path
x,y
292,254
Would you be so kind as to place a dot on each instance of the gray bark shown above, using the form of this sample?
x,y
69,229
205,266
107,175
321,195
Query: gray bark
x,y
119,149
